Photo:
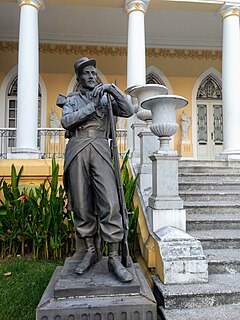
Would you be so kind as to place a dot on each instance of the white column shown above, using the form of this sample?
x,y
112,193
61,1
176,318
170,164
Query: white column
x,y
231,80
136,59
28,74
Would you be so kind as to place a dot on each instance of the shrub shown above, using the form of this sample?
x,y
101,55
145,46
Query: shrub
x,y
36,221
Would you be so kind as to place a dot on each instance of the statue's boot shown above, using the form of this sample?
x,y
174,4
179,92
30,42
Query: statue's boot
x,y
89,258
115,265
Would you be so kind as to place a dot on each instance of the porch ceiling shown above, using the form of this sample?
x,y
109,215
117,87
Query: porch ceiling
x,y
189,24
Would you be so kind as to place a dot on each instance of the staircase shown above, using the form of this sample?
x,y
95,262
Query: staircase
x,y
211,194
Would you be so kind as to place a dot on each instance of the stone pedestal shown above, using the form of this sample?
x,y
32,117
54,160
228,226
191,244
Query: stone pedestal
x,y
185,149
182,258
165,207
148,144
96,295
137,128
24,153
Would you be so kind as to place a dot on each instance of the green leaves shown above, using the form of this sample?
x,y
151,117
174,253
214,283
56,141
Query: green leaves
x,y
129,186
32,220
129,183
36,222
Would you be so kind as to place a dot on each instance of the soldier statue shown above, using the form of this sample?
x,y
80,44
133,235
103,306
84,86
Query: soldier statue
x,y
89,177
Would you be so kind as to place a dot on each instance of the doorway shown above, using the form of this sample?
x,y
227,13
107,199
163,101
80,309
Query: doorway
x,y
209,119
210,129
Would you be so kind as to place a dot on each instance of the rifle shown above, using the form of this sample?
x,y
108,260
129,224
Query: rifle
x,y
126,261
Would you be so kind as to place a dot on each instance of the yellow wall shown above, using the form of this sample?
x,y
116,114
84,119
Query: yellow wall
x,y
181,67
34,171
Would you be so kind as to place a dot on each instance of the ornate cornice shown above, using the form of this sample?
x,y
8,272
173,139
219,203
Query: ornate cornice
x,y
185,53
8,46
35,3
82,49
136,5
47,48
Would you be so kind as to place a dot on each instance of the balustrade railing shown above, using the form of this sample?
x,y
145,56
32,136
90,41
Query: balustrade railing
x,y
51,141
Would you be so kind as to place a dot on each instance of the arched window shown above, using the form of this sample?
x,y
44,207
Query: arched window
x,y
12,104
209,89
152,78
11,110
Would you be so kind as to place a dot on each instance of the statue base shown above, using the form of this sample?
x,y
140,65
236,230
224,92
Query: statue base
x,y
98,294
185,149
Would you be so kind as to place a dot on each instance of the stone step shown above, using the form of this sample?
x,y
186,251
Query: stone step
x,y
208,221
218,238
206,186
208,177
223,261
227,312
208,163
210,195
209,170
213,207
222,289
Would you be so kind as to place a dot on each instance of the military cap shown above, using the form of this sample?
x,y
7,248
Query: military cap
x,y
82,63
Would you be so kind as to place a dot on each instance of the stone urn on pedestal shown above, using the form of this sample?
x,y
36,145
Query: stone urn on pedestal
x,y
177,262
144,92
164,125
148,142
164,205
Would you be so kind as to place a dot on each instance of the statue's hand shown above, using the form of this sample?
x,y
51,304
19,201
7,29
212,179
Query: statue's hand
x,y
101,89
96,94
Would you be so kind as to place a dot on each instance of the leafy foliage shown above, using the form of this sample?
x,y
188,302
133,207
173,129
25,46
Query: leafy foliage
x,y
129,186
36,221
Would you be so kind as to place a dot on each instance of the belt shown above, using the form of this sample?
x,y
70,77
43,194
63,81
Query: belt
x,y
89,133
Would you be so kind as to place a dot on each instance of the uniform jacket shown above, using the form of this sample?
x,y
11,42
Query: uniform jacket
x,y
78,111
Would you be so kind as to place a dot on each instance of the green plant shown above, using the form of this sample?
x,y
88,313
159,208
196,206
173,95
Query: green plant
x,y
35,221
13,214
129,186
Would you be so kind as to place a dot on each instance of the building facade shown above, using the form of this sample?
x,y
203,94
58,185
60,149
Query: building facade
x,y
189,48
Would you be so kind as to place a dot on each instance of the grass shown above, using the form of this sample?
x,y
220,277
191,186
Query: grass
x,y
21,291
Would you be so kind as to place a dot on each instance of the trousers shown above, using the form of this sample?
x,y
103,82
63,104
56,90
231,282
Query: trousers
x,y
94,196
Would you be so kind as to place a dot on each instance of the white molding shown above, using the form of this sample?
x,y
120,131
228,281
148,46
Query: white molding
x,y
44,102
9,77
119,41
217,75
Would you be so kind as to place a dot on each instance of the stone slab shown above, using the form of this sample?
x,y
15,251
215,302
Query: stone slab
x,y
97,281
222,289
124,306
231,312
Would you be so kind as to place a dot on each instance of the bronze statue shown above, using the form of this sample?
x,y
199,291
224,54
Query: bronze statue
x,y
88,173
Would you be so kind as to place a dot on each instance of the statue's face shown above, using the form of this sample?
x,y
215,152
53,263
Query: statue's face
x,y
88,77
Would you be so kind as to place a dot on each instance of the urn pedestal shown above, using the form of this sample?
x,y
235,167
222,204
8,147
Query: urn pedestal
x,y
165,207
179,257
